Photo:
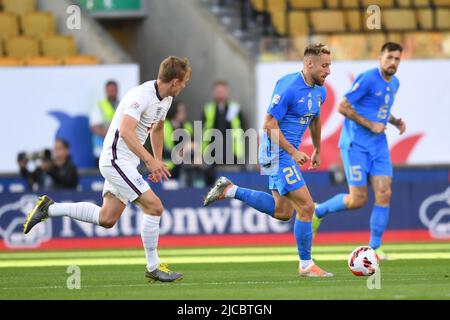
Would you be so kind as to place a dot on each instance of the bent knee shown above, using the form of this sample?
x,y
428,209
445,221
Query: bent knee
x,y
283,216
158,211
107,223
306,210
155,209
357,201
383,196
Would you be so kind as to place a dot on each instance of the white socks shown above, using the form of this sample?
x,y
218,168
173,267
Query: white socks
x,y
82,211
88,212
305,264
150,235
231,192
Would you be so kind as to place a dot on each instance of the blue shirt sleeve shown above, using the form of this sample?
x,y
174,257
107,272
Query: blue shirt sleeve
x,y
280,103
324,95
360,88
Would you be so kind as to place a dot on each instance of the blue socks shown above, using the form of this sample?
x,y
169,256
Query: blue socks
x,y
303,237
332,205
264,202
258,200
378,219
378,223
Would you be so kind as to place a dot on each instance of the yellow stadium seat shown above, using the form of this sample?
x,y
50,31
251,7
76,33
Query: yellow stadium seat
x,y
374,43
271,6
58,46
42,61
348,46
298,23
8,25
380,3
353,20
279,22
81,60
425,18
441,3
19,6
404,3
399,19
306,4
395,37
443,19
22,47
425,44
276,5
350,3
38,24
327,21
10,62
332,3
2,50
258,5
421,3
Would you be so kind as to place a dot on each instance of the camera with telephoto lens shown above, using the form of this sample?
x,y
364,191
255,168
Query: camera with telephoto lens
x,y
35,156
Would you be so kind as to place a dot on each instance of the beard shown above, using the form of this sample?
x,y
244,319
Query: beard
x,y
390,71
319,81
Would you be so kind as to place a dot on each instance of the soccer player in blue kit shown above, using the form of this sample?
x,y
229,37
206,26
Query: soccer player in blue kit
x,y
295,106
364,148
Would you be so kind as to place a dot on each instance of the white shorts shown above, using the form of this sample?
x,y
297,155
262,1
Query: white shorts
x,y
123,181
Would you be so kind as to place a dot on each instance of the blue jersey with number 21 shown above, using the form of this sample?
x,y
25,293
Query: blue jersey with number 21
x,y
294,104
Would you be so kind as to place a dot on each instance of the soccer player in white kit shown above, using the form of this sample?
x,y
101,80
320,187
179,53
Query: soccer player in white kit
x,y
140,114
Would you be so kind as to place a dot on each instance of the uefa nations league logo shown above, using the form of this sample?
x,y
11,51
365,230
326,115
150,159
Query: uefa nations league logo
x,y
434,213
13,216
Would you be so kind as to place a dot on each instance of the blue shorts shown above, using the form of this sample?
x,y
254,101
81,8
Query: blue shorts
x,y
358,164
288,178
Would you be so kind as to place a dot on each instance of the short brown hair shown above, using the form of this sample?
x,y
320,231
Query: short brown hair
x,y
173,68
391,46
315,49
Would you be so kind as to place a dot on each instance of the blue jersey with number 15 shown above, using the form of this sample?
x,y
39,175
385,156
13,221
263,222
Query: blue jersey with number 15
x,y
372,97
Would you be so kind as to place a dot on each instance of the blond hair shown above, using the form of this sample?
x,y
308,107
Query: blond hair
x,y
173,68
316,49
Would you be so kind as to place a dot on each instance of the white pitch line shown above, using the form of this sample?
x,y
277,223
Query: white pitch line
x,y
403,248
204,259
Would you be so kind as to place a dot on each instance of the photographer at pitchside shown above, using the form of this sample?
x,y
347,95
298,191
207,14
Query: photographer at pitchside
x,y
52,172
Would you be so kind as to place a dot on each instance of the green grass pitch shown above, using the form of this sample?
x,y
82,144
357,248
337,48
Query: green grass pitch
x,y
416,271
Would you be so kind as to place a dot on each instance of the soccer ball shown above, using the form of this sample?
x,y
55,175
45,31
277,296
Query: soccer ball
x,y
363,261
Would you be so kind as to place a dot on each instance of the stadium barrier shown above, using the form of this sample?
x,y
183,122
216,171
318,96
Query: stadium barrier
x,y
420,211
